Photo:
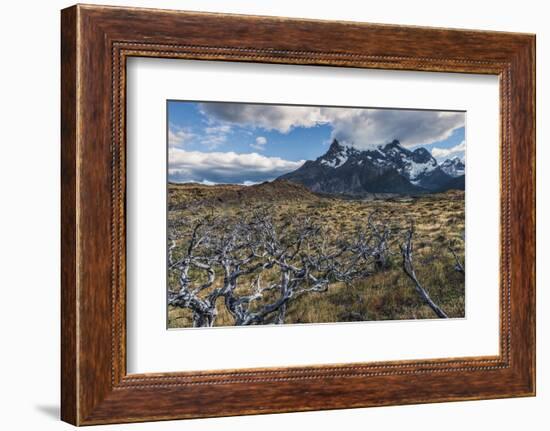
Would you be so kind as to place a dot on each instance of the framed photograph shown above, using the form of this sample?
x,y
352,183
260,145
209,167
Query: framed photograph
x,y
264,215
260,235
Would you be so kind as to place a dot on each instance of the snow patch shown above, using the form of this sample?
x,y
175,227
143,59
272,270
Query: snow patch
x,y
453,167
339,160
414,170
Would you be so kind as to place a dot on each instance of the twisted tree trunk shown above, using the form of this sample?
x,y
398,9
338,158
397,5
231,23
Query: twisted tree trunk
x,y
408,267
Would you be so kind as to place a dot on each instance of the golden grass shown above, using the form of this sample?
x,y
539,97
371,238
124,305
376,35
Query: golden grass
x,y
387,295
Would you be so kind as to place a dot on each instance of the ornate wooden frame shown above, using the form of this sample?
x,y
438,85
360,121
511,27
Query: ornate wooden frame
x,y
95,42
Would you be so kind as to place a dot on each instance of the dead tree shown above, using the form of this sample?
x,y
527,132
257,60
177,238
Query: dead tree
x,y
459,266
381,233
193,267
302,261
255,267
408,267
299,256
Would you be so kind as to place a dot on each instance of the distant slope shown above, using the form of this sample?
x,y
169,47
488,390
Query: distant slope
x,y
456,183
182,196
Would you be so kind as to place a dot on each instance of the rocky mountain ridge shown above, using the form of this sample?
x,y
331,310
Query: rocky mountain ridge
x,y
389,168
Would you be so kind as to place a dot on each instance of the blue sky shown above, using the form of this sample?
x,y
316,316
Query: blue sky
x,y
249,143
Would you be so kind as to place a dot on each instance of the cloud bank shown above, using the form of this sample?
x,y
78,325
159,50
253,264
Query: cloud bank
x,y
445,153
230,167
362,128
269,117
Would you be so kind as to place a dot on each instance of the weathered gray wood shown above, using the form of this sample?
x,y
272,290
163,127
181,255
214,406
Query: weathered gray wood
x,y
408,267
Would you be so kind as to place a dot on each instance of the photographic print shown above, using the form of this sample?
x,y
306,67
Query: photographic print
x,y
291,214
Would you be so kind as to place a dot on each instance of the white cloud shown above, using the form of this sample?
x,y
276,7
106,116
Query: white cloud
x,y
368,128
269,117
230,167
218,129
362,128
178,136
445,153
212,141
207,183
260,143
215,134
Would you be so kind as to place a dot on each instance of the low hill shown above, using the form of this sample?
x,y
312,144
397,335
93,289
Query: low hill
x,y
188,195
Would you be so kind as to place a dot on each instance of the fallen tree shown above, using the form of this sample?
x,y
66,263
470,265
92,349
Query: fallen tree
x,y
408,268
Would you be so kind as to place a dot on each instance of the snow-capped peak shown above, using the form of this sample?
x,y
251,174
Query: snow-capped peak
x,y
454,167
388,168
414,165
336,155
411,164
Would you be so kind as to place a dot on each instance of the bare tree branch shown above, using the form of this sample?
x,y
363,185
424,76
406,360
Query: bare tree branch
x,y
297,254
459,266
408,267
255,267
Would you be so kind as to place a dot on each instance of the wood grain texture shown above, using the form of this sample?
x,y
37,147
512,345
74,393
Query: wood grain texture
x,y
96,41
69,397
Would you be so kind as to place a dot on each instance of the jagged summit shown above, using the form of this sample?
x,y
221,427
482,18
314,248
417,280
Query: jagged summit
x,y
421,155
454,167
389,168
393,144
336,155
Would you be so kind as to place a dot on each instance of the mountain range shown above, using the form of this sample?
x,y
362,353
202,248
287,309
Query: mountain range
x,y
390,168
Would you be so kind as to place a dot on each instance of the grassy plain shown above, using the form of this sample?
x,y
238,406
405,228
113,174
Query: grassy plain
x,y
386,295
